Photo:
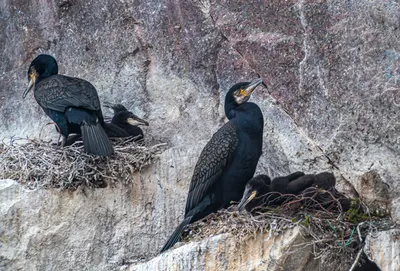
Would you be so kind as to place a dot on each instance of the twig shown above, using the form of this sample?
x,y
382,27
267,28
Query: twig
x,y
356,260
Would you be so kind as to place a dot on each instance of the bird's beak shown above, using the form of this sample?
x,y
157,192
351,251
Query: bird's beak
x,y
30,86
252,86
247,197
136,121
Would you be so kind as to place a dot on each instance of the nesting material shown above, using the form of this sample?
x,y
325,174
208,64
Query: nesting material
x,y
39,164
336,236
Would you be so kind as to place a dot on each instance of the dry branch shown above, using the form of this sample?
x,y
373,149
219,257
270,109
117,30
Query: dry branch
x,y
41,164
335,236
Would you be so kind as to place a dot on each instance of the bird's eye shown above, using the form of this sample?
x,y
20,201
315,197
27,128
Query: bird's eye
x,y
32,73
242,91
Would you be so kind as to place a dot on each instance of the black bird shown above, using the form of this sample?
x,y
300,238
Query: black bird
x,y
228,160
289,184
72,103
324,180
127,121
298,183
261,191
367,266
254,193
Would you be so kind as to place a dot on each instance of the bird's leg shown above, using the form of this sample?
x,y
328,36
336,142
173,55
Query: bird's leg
x,y
72,139
58,130
63,141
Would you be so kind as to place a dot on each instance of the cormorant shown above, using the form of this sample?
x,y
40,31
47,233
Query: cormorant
x,y
127,121
324,180
288,183
72,103
228,160
254,192
262,191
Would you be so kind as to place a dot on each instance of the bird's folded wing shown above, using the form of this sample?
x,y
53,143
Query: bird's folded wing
x,y
59,92
213,160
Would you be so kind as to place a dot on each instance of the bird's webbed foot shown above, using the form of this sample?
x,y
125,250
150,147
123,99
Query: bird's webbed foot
x,y
71,140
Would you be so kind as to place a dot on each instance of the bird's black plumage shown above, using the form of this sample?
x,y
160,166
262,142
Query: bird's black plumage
x,y
114,131
367,265
127,121
227,161
72,103
280,184
283,185
255,192
316,192
324,180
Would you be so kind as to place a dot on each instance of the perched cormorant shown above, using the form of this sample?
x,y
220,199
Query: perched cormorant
x,y
262,191
126,120
113,130
228,160
254,193
324,180
72,103
287,183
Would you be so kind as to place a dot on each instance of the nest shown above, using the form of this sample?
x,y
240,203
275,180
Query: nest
x,y
39,164
336,236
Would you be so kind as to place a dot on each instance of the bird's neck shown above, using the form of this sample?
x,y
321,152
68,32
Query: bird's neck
x,y
230,107
43,76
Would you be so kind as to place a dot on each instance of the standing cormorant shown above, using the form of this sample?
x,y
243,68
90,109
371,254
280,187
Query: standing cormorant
x,y
228,160
126,120
72,103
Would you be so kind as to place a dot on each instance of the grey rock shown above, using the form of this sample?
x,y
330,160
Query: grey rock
x,y
224,252
384,249
332,103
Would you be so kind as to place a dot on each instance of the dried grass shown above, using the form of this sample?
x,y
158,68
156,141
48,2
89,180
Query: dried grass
x,y
336,237
39,164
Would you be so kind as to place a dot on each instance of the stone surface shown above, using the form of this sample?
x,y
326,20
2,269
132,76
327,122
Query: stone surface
x,y
92,229
384,249
332,103
223,252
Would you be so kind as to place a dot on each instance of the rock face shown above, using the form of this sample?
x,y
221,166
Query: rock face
x,y
384,249
223,252
332,103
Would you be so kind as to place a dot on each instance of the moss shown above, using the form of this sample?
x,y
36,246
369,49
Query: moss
x,y
306,221
355,214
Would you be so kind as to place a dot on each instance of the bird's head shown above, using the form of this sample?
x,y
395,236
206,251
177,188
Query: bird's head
x,y
128,117
240,93
42,66
255,188
116,107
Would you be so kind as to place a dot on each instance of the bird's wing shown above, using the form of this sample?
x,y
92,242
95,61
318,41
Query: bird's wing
x,y
59,92
294,176
213,160
301,183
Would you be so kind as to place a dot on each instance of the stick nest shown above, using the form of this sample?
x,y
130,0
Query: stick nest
x,y
39,164
336,237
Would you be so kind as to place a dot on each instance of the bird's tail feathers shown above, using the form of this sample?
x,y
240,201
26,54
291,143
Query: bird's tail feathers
x,y
95,140
176,234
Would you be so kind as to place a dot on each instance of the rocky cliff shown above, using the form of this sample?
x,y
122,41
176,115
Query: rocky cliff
x,y
332,103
